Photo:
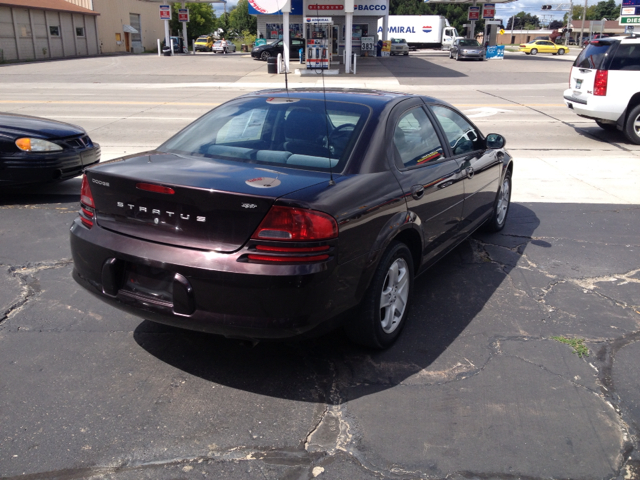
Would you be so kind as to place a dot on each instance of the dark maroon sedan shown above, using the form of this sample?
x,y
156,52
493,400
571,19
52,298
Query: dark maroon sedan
x,y
276,212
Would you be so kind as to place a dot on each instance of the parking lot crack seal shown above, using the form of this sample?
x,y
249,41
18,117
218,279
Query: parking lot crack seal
x,y
29,284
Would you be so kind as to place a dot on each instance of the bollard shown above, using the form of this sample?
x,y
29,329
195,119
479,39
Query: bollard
x,y
159,49
193,46
279,63
354,63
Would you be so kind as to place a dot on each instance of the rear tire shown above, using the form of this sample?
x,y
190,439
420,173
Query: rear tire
x,y
534,51
385,306
632,126
501,206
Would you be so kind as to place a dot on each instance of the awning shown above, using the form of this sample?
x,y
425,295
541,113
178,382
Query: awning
x,y
129,29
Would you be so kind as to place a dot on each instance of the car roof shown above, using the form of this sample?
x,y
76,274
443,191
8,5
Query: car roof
x,y
373,98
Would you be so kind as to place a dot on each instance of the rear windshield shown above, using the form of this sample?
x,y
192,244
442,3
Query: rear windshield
x,y
298,133
398,40
593,55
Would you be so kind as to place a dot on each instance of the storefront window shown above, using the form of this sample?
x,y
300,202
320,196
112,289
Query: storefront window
x,y
274,31
357,32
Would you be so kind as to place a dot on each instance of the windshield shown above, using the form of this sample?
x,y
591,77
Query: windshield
x,y
298,133
593,55
468,43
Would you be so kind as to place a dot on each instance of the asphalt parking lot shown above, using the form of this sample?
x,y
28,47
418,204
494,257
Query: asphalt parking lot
x,y
481,384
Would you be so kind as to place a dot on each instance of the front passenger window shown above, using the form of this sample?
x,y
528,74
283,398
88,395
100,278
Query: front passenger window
x,y
461,135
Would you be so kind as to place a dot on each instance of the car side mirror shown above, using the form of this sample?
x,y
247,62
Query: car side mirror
x,y
495,140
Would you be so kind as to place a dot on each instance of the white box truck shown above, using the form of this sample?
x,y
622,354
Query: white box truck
x,y
421,31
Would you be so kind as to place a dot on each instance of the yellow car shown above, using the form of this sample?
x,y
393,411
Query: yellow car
x,y
543,46
204,43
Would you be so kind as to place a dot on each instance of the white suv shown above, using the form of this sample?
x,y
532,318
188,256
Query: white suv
x,y
605,84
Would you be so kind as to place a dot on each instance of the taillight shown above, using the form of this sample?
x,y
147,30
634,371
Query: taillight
x,y
600,84
296,224
87,207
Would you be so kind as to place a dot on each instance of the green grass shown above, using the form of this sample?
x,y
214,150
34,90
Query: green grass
x,y
579,348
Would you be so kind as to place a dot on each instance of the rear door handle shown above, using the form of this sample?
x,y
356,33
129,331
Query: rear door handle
x,y
417,191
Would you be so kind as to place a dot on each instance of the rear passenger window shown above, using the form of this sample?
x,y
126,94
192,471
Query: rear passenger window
x,y
592,56
416,140
627,57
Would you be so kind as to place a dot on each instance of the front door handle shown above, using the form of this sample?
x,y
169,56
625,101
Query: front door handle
x,y
417,191
470,172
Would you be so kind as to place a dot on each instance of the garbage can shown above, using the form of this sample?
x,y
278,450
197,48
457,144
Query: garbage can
x,y
272,65
166,51
243,48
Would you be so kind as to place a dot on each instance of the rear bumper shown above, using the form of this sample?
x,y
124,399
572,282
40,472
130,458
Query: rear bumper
x,y
214,292
29,169
597,108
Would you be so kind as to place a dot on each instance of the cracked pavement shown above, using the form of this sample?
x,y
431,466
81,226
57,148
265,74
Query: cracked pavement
x,y
475,387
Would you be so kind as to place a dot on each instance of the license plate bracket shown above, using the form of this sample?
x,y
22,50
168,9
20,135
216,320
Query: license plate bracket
x,y
150,282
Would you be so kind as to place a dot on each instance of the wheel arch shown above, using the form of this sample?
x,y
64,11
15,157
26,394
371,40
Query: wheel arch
x,y
402,227
633,102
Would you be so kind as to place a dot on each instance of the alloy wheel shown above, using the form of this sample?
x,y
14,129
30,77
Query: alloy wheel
x,y
503,201
394,295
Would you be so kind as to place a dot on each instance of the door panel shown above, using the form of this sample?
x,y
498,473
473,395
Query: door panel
x,y
432,183
480,166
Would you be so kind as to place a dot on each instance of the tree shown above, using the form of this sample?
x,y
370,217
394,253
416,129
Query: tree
x,y
202,20
240,20
523,21
556,24
607,9
224,24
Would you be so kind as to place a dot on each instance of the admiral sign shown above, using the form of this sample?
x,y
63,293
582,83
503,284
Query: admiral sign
x,y
489,11
165,12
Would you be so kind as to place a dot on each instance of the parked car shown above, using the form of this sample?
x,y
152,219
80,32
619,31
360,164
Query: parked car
x,y
604,85
272,49
178,46
467,48
217,47
596,36
399,46
39,150
278,211
543,46
204,43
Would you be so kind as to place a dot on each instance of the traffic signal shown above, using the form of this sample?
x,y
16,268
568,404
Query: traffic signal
x,y
546,7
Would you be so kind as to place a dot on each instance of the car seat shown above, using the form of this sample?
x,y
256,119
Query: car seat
x,y
305,132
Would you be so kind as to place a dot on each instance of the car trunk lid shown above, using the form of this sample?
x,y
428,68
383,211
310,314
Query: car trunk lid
x,y
192,202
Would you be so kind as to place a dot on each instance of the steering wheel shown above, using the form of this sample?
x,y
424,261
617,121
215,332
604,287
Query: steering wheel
x,y
339,136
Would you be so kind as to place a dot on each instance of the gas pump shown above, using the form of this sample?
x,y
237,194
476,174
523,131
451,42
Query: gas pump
x,y
491,28
319,41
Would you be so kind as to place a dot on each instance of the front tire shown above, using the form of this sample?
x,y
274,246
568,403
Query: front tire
x,y
385,306
632,126
265,56
561,51
501,206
